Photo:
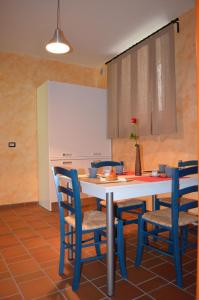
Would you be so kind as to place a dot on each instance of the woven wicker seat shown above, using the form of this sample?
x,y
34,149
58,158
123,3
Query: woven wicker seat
x,y
92,219
163,217
182,200
193,211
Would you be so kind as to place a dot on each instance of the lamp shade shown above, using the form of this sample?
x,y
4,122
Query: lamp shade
x,y
58,44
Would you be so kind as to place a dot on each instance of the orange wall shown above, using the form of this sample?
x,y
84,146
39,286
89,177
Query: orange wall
x,y
19,78
183,144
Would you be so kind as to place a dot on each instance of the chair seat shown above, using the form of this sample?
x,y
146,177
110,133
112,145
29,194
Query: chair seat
x,y
124,203
193,211
92,219
163,217
183,201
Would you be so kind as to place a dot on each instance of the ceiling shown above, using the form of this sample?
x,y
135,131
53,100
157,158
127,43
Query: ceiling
x,y
96,29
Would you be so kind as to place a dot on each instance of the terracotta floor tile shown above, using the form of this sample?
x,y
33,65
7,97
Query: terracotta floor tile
x,y
165,270
45,255
152,284
54,275
138,275
152,262
190,266
188,280
85,292
46,264
11,218
35,242
14,225
38,224
4,229
29,276
54,242
37,288
67,283
7,288
3,267
39,248
124,290
7,241
93,270
24,267
131,253
13,251
56,296
48,233
15,297
102,281
170,292
145,297
5,275
192,289
192,253
24,233
15,259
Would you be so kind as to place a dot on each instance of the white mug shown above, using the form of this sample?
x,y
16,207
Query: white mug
x,y
107,172
154,173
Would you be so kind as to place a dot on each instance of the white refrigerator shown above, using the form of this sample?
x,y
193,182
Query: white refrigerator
x,y
71,130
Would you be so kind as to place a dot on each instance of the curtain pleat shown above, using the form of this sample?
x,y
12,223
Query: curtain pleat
x,y
141,83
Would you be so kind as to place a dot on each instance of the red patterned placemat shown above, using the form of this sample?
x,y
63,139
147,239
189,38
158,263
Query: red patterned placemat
x,y
148,178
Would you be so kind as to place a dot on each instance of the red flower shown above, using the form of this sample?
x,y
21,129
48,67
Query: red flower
x,y
133,120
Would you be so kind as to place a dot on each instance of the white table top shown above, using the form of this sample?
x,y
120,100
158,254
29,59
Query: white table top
x,y
131,189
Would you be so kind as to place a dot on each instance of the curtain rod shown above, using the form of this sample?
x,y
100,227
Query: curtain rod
x,y
172,22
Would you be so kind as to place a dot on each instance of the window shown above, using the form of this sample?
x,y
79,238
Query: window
x,y
141,83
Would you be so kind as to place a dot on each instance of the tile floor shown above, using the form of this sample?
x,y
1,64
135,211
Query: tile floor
x,y
29,253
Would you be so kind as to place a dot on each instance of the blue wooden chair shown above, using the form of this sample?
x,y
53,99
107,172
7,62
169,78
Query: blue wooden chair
x,y
74,222
185,203
167,220
129,206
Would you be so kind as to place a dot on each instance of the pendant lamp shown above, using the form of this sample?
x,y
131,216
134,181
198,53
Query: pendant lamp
x,y
58,44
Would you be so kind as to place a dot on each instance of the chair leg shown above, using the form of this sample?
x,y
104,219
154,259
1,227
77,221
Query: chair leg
x,y
77,265
61,258
140,241
97,239
157,204
177,259
118,213
120,249
143,207
99,207
184,235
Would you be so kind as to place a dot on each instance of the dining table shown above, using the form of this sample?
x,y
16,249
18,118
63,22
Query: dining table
x,y
123,188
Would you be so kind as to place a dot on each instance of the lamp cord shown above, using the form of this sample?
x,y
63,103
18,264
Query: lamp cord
x,y
58,14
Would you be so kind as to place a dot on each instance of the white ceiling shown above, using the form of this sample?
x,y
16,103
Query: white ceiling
x,y
97,29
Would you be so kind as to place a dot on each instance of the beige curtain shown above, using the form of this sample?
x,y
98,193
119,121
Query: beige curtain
x,y
141,83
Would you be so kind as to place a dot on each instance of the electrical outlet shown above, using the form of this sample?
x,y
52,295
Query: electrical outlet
x,y
12,144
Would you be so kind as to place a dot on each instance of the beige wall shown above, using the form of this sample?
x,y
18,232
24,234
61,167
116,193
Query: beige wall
x,y
21,75
19,78
183,144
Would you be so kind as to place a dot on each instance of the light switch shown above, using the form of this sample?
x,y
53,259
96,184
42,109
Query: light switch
x,y
11,144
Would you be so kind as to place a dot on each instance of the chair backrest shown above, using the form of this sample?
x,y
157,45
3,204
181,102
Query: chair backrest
x,y
66,183
106,163
178,190
187,163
